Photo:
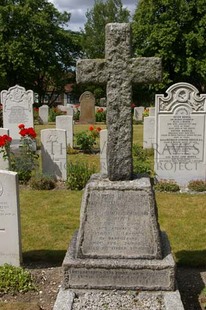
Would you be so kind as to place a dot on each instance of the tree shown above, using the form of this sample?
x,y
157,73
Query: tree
x,y
94,30
35,49
173,30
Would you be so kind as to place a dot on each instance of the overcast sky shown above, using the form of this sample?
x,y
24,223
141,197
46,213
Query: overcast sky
x,y
78,8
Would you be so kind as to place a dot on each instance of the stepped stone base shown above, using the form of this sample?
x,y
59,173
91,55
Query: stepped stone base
x,y
121,274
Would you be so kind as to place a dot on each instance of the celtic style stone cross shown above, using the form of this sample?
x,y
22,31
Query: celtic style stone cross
x,y
119,71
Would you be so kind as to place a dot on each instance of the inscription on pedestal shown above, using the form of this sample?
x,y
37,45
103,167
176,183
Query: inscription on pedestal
x,y
119,223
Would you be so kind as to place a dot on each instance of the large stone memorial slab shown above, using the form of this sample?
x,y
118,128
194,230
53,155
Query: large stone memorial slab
x,y
180,152
17,108
54,153
10,229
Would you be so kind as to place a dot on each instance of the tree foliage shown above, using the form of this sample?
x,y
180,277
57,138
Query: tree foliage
x,y
110,11
35,49
174,30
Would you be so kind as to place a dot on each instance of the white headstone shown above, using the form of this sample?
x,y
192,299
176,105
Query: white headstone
x,y
66,109
4,163
70,110
148,132
180,150
17,108
10,229
103,151
152,111
66,122
54,153
138,113
44,114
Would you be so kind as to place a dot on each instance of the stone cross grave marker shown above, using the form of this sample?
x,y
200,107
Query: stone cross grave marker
x,y
10,232
119,244
119,71
17,108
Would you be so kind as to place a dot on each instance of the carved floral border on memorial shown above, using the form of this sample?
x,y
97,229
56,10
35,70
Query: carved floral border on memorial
x,y
180,151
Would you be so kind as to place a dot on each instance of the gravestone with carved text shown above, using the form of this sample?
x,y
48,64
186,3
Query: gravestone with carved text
x,y
180,151
54,153
10,229
17,108
119,244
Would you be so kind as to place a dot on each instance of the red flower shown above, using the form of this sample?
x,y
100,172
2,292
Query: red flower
x,y
133,105
91,128
4,140
98,129
21,126
100,110
36,109
31,132
23,132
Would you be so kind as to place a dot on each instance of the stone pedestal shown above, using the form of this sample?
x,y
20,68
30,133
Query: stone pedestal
x,y
119,244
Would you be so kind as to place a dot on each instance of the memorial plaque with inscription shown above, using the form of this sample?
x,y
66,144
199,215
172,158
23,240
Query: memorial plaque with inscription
x,y
118,220
180,134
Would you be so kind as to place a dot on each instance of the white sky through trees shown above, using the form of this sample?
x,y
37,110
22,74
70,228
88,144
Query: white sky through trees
x,y
78,8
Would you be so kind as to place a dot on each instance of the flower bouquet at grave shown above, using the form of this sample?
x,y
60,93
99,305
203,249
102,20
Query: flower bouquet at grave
x,y
25,161
5,142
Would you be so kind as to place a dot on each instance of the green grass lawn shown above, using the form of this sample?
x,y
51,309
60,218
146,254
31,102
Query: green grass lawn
x,y
49,218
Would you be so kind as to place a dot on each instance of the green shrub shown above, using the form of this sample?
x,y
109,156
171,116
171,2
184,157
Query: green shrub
x,y
197,185
140,166
100,115
78,175
85,141
141,161
15,279
53,112
42,182
76,115
167,186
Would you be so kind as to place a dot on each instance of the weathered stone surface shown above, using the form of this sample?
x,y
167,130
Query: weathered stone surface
x,y
103,151
144,274
10,228
119,219
17,108
180,134
119,71
93,300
